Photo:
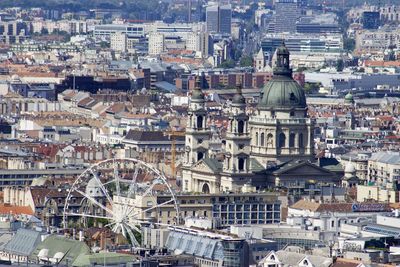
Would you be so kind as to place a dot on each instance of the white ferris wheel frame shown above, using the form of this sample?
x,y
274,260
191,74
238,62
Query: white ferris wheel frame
x,y
118,222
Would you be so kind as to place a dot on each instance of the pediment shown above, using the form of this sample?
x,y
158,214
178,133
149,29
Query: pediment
x,y
201,166
304,168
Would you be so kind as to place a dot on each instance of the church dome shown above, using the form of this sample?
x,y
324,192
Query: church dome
x,y
197,94
238,99
349,168
349,98
349,171
282,91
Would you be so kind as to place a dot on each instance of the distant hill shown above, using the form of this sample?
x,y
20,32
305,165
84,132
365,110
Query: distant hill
x,y
77,5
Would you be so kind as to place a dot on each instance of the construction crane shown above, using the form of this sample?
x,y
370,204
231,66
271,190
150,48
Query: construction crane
x,y
173,135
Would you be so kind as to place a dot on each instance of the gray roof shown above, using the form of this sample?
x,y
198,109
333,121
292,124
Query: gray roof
x,y
166,86
56,244
4,239
386,157
192,244
214,164
256,166
23,242
293,259
150,136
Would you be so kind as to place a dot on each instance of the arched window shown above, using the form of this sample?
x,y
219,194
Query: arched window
x,y
301,141
240,127
241,164
291,140
200,155
262,141
270,140
199,122
291,114
282,140
256,138
205,189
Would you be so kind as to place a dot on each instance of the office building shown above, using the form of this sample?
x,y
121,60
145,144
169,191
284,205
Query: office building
x,y
375,41
218,19
245,208
304,43
371,20
119,42
106,30
286,16
156,43
201,42
320,23
209,248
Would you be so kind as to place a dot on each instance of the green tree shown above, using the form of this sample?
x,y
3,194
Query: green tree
x,y
340,65
228,64
104,44
246,61
301,69
310,88
349,44
44,31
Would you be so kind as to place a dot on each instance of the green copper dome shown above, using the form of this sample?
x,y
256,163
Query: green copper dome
x,y
349,98
282,92
197,94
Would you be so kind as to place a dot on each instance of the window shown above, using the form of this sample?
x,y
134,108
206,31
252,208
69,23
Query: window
x,y
240,127
241,164
301,141
292,139
282,140
200,155
291,114
292,97
200,122
256,138
206,189
262,139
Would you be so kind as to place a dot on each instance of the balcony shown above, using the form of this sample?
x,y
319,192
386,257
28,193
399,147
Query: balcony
x,y
293,121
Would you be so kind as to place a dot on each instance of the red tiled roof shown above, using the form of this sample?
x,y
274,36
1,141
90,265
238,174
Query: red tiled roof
x,y
379,63
15,210
329,207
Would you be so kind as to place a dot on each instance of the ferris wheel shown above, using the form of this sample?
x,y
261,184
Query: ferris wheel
x,y
121,194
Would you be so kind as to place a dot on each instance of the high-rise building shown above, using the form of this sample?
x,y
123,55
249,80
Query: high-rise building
x,y
118,42
219,18
371,20
200,42
286,15
156,43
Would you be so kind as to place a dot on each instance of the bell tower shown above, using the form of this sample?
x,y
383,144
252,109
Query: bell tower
x,y
197,129
237,137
